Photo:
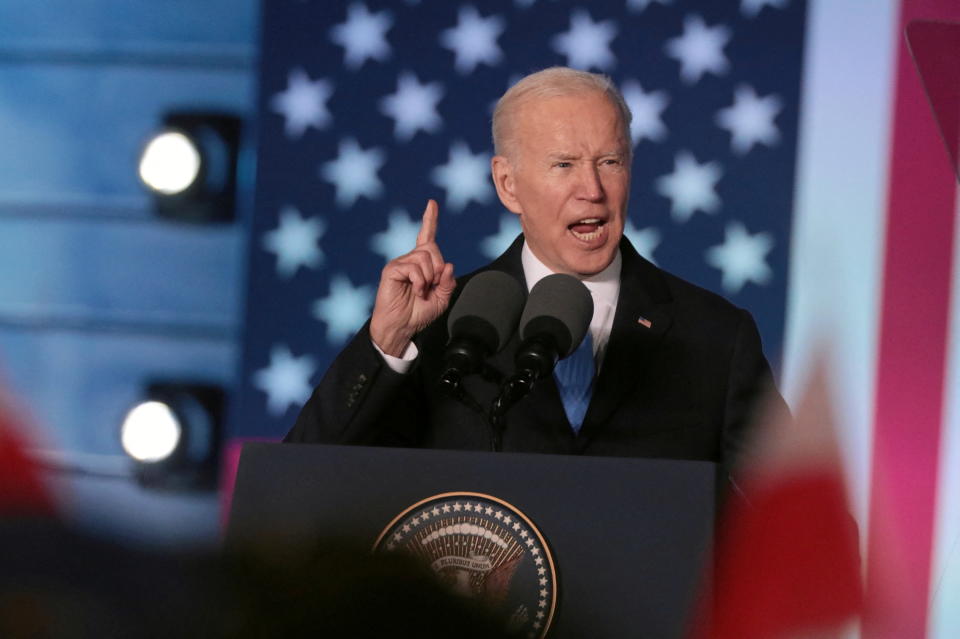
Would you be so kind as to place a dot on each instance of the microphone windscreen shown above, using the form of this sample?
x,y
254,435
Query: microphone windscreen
x,y
487,310
560,306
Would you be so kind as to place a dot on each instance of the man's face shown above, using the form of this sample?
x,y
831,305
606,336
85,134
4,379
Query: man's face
x,y
569,180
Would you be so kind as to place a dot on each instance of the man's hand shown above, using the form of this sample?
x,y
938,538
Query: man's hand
x,y
414,290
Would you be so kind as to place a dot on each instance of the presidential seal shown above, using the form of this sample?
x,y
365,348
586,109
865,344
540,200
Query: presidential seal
x,y
485,549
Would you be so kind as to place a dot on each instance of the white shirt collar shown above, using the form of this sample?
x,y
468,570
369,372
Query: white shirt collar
x,y
604,286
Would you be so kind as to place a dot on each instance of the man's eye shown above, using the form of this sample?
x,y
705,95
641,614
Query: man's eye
x,y
563,165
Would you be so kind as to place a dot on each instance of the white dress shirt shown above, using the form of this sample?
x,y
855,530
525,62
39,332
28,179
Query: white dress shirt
x,y
604,287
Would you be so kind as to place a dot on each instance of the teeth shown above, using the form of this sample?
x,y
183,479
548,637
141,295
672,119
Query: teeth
x,y
592,235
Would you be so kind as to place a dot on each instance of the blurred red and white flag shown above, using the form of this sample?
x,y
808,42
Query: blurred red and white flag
x,y
787,554
22,491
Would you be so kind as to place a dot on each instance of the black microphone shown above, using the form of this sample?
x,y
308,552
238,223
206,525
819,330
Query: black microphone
x,y
554,322
480,323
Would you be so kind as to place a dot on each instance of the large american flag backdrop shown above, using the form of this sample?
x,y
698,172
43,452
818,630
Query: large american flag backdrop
x,y
777,146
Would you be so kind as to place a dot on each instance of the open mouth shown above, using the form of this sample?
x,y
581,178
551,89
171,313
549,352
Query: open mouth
x,y
587,229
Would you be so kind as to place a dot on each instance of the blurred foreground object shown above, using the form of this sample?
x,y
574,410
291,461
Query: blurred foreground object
x,y
339,589
63,584
22,492
787,555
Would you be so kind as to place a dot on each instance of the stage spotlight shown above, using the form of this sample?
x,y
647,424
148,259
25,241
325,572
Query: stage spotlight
x,y
170,163
173,435
190,166
150,432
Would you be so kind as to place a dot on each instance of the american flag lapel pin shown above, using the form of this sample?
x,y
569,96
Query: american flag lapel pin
x,y
644,322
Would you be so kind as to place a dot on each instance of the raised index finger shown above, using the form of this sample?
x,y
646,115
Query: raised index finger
x,y
428,227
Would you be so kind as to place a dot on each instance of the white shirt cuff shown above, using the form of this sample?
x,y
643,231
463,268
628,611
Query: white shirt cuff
x,y
400,364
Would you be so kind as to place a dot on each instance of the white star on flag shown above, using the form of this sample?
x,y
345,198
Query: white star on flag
x,y
465,177
399,238
645,240
699,49
413,107
354,172
286,381
690,187
363,36
295,242
493,245
641,5
303,104
741,258
344,309
587,43
750,119
646,108
751,8
474,40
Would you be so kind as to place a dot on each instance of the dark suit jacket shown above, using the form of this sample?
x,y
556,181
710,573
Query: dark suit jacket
x,y
684,388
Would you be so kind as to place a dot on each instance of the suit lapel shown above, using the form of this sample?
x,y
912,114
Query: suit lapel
x,y
644,314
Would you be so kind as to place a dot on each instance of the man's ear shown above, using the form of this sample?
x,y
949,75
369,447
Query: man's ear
x,y
504,180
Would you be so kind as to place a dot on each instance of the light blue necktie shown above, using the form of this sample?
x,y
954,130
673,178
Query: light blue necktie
x,y
574,377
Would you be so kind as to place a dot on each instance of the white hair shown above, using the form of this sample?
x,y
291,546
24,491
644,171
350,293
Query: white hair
x,y
548,83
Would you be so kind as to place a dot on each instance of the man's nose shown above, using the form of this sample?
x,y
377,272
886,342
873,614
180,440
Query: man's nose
x,y
591,188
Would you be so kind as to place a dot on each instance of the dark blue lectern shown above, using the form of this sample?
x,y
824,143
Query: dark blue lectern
x,y
628,537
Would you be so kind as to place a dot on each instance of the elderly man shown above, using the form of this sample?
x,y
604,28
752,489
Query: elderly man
x,y
680,369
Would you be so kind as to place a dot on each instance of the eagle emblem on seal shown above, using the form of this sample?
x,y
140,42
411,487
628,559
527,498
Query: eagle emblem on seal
x,y
485,549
